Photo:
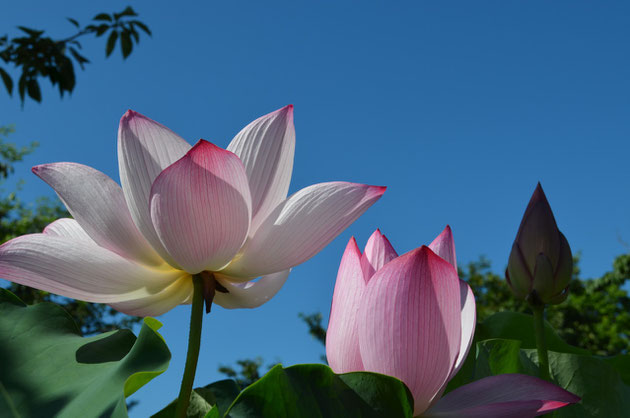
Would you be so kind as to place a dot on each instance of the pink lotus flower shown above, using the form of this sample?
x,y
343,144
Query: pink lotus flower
x,y
183,210
411,317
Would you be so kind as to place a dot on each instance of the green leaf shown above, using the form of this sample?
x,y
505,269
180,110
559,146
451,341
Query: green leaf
x,y
128,12
111,43
33,90
218,395
102,16
519,326
48,369
621,363
73,21
600,386
125,44
313,390
8,82
34,33
142,26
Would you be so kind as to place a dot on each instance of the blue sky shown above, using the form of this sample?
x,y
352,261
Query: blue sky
x,y
458,107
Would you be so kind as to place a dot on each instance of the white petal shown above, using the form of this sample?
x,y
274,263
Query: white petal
x,y
250,294
145,148
97,203
68,228
266,147
79,270
469,321
159,302
301,226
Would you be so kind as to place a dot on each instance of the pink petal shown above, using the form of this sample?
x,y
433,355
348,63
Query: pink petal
x,y
378,252
342,336
250,294
505,395
98,205
69,228
159,302
145,148
201,208
409,322
266,147
444,246
80,270
302,225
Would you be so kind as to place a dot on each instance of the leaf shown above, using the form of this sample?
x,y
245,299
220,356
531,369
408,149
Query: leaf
x,y
600,386
33,90
219,394
125,44
621,363
8,82
73,21
80,58
111,43
518,326
102,16
34,33
313,390
101,29
48,369
142,26
127,12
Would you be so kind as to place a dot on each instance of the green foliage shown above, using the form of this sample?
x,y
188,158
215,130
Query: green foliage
x,y
37,56
18,218
219,394
595,317
249,371
48,369
313,390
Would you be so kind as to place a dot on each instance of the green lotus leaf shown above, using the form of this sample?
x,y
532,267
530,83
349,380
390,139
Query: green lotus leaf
x,y
48,369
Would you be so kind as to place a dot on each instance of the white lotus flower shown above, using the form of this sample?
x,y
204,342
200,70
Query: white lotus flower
x,y
181,211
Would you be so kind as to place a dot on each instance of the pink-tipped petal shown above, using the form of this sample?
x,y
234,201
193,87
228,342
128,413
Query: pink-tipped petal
x,y
250,294
98,205
302,225
80,270
160,301
409,322
68,228
505,395
378,252
266,147
145,148
444,246
342,336
201,208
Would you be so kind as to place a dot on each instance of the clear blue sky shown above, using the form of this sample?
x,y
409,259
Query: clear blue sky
x,y
459,107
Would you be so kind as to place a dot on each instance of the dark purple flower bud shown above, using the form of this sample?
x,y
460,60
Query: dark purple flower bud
x,y
541,263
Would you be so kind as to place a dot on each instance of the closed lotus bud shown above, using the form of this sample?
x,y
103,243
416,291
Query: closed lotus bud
x,y
541,263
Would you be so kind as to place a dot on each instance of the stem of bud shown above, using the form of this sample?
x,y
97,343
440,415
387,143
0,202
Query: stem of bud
x,y
541,345
194,341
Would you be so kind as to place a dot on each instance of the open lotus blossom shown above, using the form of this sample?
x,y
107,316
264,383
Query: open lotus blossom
x,y
411,317
181,211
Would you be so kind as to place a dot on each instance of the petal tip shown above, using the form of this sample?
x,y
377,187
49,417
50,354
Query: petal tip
x,y
377,191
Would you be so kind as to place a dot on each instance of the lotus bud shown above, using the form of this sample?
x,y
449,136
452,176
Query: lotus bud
x,y
540,264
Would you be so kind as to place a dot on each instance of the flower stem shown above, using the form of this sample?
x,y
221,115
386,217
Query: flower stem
x,y
541,345
194,340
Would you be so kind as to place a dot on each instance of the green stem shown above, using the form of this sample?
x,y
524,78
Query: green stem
x,y
541,345
194,340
